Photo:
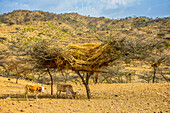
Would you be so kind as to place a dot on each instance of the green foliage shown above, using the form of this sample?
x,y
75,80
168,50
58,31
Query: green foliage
x,y
121,73
29,40
28,23
113,27
141,22
28,30
50,24
167,45
1,41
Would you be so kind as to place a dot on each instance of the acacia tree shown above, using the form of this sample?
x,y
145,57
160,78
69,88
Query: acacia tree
x,y
80,58
88,58
151,51
14,65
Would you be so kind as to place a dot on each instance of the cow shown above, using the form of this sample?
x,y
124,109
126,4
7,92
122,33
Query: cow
x,y
65,88
33,89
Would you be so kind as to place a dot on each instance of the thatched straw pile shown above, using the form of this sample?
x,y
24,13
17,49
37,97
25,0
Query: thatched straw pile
x,y
82,57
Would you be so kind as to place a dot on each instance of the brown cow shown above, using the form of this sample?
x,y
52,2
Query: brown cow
x,y
33,89
65,88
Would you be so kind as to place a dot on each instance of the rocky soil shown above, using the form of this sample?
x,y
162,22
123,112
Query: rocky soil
x,y
106,98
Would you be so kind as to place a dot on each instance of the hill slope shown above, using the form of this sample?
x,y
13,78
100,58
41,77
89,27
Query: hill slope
x,y
21,28
31,26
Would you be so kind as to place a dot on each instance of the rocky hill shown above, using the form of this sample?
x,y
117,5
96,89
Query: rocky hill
x,y
72,25
21,28
76,24
31,26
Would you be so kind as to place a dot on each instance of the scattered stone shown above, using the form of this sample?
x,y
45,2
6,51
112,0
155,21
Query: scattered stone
x,y
167,38
161,34
22,110
79,34
3,38
116,95
8,97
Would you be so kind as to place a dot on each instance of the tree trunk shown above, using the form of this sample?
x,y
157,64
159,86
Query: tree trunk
x,y
51,81
154,75
88,91
165,77
6,70
96,77
17,77
85,83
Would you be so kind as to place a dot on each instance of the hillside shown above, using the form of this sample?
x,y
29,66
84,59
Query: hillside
x,y
31,26
22,28
113,61
76,25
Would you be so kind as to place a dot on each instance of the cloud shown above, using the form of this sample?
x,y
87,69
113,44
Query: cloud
x,y
8,6
149,9
113,4
107,8
93,7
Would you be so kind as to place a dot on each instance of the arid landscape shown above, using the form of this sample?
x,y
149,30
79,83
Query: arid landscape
x,y
106,98
114,65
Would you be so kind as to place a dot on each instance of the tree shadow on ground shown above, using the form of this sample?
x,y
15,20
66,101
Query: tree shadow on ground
x,y
19,96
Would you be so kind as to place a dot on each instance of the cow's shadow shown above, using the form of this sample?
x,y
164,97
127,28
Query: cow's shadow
x,y
30,96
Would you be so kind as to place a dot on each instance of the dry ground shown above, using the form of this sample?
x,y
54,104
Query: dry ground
x,y
106,98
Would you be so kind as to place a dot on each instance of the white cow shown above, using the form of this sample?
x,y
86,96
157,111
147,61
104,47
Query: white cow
x,y
65,88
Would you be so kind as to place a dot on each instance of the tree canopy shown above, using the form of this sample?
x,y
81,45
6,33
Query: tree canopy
x,y
82,57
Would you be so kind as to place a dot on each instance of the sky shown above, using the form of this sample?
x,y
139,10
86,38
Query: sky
x,y
95,8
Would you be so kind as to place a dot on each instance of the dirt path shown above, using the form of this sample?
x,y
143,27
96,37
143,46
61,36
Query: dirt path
x,y
106,98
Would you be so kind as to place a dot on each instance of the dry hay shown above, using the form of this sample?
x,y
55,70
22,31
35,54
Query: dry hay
x,y
82,57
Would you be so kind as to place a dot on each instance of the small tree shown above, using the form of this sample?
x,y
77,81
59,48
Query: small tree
x,y
14,65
